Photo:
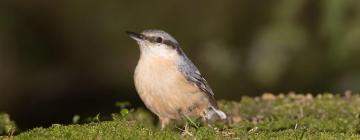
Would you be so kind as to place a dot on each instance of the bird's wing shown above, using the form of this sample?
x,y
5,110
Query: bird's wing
x,y
193,75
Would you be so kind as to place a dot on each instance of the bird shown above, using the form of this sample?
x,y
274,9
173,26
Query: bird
x,y
168,83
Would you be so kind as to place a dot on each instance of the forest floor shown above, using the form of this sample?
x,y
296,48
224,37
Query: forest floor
x,y
285,116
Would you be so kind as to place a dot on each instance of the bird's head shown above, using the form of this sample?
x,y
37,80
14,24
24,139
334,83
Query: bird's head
x,y
156,42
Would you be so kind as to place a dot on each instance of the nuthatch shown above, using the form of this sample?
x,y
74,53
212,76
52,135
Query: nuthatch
x,y
167,81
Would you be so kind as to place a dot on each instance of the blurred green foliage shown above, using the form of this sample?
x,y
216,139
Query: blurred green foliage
x,y
7,126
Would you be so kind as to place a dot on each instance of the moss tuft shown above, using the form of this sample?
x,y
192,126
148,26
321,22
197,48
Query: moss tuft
x,y
292,116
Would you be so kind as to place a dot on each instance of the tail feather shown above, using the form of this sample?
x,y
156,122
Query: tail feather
x,y
213,111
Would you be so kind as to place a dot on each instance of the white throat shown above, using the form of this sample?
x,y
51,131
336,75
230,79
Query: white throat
x,y
157,50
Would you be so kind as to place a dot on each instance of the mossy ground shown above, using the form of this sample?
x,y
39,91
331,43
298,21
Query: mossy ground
x,y
292,116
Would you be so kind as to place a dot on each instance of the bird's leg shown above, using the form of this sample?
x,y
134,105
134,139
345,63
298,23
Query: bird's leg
x,y
204,118
163,122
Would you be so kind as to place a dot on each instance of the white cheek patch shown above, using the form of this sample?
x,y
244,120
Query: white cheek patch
x,y
159,50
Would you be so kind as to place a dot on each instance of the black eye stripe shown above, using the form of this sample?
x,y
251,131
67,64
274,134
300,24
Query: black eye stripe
x,y
170,43
155,39
163,41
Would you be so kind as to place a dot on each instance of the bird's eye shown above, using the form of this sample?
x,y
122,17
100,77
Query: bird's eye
x,y
158,39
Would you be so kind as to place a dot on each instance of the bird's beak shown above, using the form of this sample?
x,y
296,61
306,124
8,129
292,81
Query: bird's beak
x,y
135,36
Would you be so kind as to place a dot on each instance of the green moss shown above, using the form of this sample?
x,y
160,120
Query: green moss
x,y
268,117
7,126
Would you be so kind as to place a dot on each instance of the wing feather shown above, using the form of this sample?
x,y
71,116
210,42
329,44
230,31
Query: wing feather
x,y
193,75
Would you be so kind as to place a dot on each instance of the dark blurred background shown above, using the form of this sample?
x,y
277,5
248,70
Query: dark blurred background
x,y
59,58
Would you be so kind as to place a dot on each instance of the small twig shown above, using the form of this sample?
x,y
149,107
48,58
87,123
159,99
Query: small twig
x,y
185,130
301,112
253,130
296,126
